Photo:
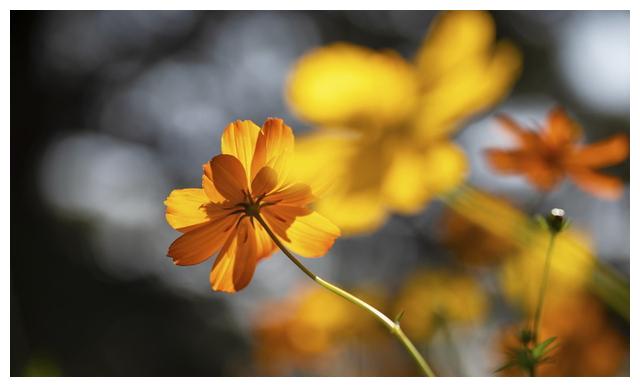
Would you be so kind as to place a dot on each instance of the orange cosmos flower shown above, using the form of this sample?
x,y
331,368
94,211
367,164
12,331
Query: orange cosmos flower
x,y
546,157
250,178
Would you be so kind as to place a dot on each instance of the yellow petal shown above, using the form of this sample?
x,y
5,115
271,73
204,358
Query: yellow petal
x,y
199,244
239,140
345,171
186,208
445,167
235,265
344,84
417,174
274,148
454,37
354,213
311,235
474,86
229,177
322,159
463,72
404,187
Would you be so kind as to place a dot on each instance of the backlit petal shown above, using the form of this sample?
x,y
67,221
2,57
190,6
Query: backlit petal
x,y
200,243
298,195
310,235
239,140
229,177
264,182
208,186
274,148
598,184
345,84
236,263
186,208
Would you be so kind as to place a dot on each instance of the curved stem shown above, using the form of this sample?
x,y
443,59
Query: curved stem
x,y
394,327
543,289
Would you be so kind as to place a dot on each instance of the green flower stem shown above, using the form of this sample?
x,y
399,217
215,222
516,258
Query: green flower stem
x,y
394,327
543,290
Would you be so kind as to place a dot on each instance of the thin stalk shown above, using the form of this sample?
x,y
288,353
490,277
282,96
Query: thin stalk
x,y
543,290
454,354
393,327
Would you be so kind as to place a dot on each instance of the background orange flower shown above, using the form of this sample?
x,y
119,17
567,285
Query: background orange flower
x,y
545,157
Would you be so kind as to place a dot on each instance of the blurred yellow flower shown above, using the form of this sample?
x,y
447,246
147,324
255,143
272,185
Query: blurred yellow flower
x,y
520,274
571,267
385,144
589,344
430,295
312,332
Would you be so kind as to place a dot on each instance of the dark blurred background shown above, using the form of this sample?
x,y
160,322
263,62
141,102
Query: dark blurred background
x,y
111,110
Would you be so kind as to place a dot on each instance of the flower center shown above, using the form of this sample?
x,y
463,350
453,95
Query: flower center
x,y
251,206
252,209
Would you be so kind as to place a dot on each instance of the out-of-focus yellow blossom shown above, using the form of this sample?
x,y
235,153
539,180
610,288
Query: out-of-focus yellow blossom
x,y
315,333
430,295
588,342
571,267
572,263
385,144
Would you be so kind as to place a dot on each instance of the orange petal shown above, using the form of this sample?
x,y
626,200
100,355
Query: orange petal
x,y
264,182
602,153
597,184
561,129
199,244
237,260
229,177
239,140
506,161
208,186
525,137
298,195
310,235
186,208
280,218
274,148
541,175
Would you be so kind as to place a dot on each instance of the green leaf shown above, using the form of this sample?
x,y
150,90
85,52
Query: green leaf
x,y
399,316
539,350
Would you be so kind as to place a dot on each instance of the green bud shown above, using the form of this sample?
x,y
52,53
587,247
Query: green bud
x,y
556,220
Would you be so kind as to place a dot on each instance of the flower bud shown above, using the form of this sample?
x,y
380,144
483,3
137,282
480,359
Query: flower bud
x,y
556,220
